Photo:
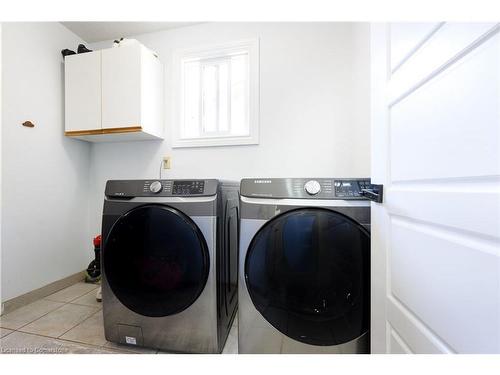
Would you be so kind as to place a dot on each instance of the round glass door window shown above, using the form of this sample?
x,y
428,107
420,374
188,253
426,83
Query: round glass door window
x,y
156,260
308,273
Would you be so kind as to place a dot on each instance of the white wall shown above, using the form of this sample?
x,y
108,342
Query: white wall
x,y
314,106
45,234
1,312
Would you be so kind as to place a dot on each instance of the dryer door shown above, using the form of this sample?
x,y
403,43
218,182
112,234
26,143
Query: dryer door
x,y
156,260
308,273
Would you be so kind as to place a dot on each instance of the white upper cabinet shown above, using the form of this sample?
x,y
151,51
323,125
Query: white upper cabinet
x,y
83,91
114,94
121,87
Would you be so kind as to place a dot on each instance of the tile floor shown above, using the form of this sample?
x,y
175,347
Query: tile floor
x,y
69,321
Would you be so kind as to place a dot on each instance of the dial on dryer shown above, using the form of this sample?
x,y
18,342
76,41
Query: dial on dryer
x,y
312,187
155,187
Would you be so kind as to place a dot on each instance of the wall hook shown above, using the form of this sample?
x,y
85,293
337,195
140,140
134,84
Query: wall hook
x,y
28,124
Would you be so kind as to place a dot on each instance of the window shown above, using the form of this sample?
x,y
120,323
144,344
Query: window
x,y
217,100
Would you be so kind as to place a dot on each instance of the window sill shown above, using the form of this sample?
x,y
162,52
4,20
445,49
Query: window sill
x,y
215,142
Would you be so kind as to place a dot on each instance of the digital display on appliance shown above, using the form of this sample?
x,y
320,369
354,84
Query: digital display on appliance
x,y
346,184
188,187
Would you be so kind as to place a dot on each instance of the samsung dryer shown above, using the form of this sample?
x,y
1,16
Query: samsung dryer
x,y
169,258
304,266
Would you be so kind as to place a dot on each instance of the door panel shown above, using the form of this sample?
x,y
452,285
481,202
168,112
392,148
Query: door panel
x,y
447,140
436,148
479,201
397,344
418,337
406,38
436,269
447,45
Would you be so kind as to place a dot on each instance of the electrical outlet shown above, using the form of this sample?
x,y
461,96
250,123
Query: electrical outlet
x,y
166,162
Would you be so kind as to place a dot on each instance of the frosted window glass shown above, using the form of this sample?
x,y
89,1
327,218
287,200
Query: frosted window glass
x,y
191,127
239,95
223,97
216,96
209,95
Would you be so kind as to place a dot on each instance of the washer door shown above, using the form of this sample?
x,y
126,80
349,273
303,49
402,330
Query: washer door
x,y
308,273
156,260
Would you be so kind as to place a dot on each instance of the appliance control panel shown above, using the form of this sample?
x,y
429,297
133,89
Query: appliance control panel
x,y
305,188
188,187
127,189
350,188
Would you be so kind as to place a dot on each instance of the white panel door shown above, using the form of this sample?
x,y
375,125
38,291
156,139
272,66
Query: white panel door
x,y
436,150
82,84
121,87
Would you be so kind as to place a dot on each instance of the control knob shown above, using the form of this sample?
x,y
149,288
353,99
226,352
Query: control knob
x,y
155,187
312,187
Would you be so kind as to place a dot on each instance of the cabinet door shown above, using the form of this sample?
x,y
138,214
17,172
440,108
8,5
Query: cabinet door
x,y
82,77
151,94
121,87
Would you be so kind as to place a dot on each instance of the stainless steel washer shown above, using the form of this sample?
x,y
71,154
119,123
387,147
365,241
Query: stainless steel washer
x,y
304,266
169,262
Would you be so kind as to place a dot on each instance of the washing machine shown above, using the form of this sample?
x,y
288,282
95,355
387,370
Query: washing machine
x,y
169,260
304,266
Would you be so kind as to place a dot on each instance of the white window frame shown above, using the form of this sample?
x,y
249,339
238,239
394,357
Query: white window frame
x,y
219,51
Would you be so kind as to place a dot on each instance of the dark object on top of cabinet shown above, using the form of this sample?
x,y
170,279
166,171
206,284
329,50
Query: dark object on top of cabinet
x,y
83,49
66,52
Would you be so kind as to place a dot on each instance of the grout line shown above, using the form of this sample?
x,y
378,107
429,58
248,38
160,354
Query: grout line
x,y
73,299
77,342
8,329
84,294
41,316
84,320
87,305
81,342
19,329
77,324
61,339
44,336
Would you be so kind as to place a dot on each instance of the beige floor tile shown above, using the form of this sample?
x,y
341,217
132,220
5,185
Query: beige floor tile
x,y
128,348
25,343
88,299
27,314
90,331
4,332
59,321
71,293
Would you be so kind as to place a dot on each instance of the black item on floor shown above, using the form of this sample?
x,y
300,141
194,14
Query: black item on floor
x,y
66,52
93,273
83,49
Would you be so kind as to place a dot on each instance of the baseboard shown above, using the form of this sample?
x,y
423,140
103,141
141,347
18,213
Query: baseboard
x,y
44,291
